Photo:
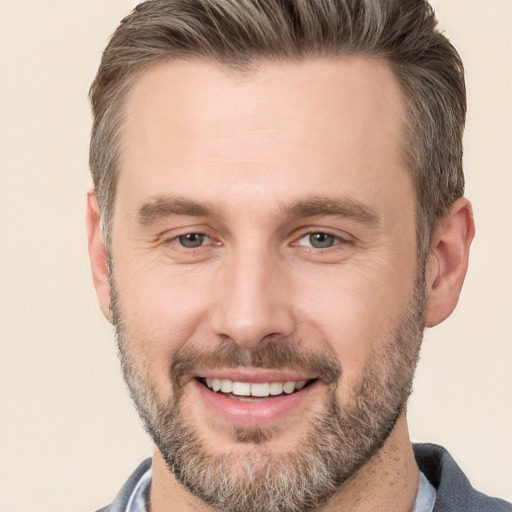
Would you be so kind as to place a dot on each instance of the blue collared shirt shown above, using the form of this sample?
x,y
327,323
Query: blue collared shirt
x,y
140,496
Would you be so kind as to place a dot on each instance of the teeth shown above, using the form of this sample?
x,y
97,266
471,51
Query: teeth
x,y
226,386
289,387
216,385
276,388
300,384
241,388
260,389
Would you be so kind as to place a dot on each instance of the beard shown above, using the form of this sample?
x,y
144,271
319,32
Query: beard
x,y
337,443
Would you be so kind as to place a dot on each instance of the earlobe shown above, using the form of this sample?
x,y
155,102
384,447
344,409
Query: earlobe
x,y
448,262
98,255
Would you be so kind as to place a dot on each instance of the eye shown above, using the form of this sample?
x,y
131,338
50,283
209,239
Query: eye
x,y
318,240
193,240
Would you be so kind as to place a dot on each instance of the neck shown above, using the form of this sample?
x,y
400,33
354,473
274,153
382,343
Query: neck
x,y
388,482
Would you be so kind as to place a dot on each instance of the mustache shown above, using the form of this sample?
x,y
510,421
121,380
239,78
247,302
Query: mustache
x,y
272,355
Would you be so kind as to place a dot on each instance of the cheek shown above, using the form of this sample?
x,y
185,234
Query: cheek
x,y
354,312
160,312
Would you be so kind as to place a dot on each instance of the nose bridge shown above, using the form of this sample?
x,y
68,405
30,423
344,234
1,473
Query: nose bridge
x,y
253,303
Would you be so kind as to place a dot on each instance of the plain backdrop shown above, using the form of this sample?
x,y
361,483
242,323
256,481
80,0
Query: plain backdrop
x,y
68,434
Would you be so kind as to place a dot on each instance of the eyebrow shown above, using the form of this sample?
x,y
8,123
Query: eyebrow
x,y
344,207
161,207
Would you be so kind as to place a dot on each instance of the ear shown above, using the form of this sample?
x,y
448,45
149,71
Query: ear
x,y
98,255
448,261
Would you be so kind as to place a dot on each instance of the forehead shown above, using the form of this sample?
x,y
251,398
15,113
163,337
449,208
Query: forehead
x,y
283,129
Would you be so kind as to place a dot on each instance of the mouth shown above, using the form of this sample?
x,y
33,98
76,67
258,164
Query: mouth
x,y
254,397
254,390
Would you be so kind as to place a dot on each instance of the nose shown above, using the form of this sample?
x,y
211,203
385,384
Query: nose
x,y
254,300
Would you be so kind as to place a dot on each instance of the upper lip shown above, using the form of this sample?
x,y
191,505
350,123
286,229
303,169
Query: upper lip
x,y
255,375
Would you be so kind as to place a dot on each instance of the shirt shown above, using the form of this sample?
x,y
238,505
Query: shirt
x,y
140,496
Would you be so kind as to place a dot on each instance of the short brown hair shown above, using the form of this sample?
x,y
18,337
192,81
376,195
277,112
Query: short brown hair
x,y
237,33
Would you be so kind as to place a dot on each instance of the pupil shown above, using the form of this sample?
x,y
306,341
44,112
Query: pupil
x,y
191,240
321,240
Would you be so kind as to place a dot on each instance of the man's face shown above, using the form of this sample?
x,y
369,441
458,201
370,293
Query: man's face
x,y
264,234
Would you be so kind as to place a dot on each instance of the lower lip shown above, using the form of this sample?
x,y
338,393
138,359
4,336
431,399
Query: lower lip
x,y
261,412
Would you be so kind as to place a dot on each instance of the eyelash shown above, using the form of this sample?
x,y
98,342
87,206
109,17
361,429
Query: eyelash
x,y
337,240
176,240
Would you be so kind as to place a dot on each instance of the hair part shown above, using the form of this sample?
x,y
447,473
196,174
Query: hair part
x,y
240,33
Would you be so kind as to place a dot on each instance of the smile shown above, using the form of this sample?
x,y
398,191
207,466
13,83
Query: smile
x,y
254,389
255,398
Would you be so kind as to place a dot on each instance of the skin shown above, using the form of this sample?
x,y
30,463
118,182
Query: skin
x,y
251,148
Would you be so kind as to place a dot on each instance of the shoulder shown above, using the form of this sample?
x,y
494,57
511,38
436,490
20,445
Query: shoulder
x,y
121,500
454,491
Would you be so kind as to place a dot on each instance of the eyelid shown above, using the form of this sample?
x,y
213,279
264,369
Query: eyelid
x,y
342,237
172,236
205,240
309,245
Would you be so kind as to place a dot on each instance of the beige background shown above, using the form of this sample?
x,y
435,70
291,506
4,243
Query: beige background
x,y
68,435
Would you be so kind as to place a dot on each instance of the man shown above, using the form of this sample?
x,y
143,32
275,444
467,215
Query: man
x,y
278,213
